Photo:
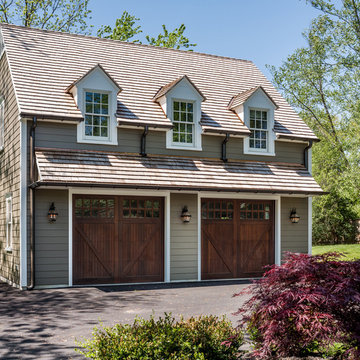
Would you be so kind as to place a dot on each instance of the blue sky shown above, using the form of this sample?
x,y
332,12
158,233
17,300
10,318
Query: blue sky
x,y
264,31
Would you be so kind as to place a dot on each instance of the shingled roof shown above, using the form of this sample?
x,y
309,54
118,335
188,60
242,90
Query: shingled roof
x,y
45,63
59,167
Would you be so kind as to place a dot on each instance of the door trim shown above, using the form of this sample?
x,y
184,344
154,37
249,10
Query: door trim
x,y
247,196
121,192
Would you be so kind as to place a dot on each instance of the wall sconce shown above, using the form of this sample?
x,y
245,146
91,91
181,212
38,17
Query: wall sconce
x,y
185,216
294,217
52,214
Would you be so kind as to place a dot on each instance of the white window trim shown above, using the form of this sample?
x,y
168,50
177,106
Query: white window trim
x,y
270,150
196,144
9,223
112,138
2,122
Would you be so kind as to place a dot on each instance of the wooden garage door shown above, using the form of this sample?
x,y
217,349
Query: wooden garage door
x,y
117,239
237,237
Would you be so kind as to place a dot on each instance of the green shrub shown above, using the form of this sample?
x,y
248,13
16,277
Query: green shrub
x,y
205,337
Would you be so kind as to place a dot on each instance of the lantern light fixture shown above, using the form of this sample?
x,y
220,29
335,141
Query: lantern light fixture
x,y
52,214
185,215
294,217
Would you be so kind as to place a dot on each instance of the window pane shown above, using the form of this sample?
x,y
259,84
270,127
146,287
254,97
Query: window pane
x,y
183,106
97,98
96,108
88,119
88,130
105,98
190,118
264,125
252,143
176,105
176,116
182,138
258,115
190,107
189,128
89,97
96,120
96,131
252,114
182,127
183,116
89,108
264,115
252,123
258,124
189,139
104,109
175,137
104,132
104,121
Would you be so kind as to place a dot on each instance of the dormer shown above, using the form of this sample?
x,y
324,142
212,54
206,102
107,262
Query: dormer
x,y
95,95
256,108
181,102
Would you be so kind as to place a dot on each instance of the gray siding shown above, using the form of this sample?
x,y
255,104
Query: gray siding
x,y
63,136
10,177
183,238
294,237
51,240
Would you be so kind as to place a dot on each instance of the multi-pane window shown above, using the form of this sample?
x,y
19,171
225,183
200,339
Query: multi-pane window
x,y
8,202
259,129
183,121
2,122
217,209
97,117
254,211
95,207
140,208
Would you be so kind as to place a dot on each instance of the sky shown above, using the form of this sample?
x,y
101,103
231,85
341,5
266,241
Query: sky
x,y
263,31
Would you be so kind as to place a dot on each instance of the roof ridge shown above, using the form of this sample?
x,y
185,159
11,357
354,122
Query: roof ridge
x,y
122,42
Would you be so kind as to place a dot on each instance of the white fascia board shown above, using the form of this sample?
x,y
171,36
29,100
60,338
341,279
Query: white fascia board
x,y
23,203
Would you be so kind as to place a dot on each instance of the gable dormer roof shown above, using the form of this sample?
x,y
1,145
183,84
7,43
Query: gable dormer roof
x,y
166,88
94,68
242,97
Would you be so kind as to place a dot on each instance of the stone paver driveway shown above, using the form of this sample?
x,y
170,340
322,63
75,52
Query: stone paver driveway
x,y
43,324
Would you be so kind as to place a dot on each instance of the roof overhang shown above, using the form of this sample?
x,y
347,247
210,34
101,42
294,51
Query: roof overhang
x,y
116,170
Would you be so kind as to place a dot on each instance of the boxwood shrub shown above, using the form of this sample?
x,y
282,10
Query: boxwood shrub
x,y
205,337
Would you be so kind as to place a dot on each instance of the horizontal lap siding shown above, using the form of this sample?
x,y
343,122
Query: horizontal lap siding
x,y
294,237
63,136
51,240
183,238
10,177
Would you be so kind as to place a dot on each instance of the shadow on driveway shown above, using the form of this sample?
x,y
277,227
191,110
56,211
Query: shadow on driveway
x,y
43,324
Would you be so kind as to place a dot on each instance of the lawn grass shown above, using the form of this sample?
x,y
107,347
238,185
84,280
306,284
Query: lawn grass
x,y
352,251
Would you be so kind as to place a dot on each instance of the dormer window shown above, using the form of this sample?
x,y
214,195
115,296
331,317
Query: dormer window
x,y
97,117
256,109
259,130
95,94
183,120
181,102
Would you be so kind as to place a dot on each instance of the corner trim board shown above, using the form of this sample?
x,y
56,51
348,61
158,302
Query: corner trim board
x,y
310,225
70,251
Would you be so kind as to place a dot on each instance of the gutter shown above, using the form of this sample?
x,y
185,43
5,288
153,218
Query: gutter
x,y
32,204
174,188
306,155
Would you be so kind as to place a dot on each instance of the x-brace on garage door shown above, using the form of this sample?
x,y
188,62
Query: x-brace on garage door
x,y
237,237
117,239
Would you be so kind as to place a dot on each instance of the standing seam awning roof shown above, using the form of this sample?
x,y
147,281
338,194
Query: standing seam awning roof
x,y
102,169
45,63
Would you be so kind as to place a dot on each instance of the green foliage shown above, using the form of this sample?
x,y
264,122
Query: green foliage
x,y
206,337
174,39
124,29
59,15
350,252
321,81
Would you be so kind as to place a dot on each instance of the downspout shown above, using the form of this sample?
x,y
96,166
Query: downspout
x,y
143,141
223,148
306,154
32,203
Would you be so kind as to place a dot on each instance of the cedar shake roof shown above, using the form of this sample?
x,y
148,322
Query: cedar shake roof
x,y
94,168
45,63
239,99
